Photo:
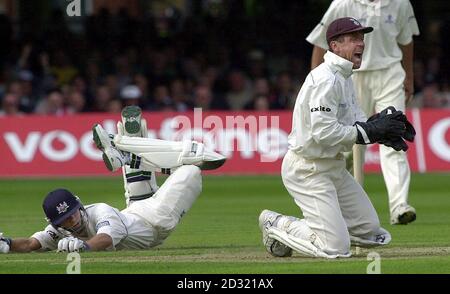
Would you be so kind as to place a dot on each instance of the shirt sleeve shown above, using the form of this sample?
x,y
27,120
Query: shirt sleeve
x,y
48,238
111,224
318,35
408,24
325,128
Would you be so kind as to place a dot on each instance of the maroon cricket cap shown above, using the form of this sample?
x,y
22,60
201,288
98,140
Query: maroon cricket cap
x,y
345,25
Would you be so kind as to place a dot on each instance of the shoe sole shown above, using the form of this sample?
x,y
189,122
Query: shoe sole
x,y
132,126
407,217
99,144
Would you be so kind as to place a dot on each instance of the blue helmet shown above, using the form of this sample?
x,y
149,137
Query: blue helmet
x,y
59,205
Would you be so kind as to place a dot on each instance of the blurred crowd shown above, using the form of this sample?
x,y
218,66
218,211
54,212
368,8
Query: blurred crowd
x,y
167,63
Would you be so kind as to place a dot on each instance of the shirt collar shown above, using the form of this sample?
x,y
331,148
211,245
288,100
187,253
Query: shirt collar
x,y
367,2
338,63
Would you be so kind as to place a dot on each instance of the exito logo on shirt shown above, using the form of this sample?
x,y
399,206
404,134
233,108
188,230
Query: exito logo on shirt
x,y
320,108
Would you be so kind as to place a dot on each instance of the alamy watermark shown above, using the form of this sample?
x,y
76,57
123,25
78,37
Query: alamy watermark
x,y
73,8
74,265
374,267
233,133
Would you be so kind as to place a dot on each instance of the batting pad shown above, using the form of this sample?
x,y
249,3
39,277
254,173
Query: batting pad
x,y
300,245
158,154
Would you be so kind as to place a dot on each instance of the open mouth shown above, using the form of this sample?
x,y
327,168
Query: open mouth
x,y
358,55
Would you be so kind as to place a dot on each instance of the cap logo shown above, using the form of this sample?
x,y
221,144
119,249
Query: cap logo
x,y
62,207
355,22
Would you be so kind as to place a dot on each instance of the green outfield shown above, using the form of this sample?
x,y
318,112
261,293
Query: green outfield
x,y
221,235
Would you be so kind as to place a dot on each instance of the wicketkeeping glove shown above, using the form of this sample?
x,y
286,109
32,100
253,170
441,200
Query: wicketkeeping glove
x,y
5,244
410,132
380,128
396,143
72,244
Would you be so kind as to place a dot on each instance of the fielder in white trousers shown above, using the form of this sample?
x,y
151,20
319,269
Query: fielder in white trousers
x,y
385,78
334,205
385,87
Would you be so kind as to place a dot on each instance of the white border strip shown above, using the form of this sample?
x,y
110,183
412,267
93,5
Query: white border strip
x,y
420,150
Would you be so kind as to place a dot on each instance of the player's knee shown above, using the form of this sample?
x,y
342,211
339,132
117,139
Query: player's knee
x,y
336,245
166,222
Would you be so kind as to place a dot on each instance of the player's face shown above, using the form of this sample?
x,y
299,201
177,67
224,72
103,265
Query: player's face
x,y
73,222
351,47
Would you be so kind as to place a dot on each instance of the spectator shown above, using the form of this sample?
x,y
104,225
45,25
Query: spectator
x,y
261,86
101,99
27,99
161,99
114,106
52,104
179,95
63,69
10,105
257,66
285,94
131,95
430,97
203,97
76,102
142,83
260,102
240,92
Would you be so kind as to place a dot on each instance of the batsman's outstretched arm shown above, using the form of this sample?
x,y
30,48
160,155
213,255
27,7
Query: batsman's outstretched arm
x,y
100,242
22,245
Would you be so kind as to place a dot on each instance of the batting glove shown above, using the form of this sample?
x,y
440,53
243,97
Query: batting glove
x,y
5,244
72,244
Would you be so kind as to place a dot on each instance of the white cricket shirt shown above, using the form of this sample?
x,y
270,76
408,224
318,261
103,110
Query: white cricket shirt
x,y
126,230
325,111
393,21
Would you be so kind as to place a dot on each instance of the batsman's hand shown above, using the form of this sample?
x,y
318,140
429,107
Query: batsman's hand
x,y
72,244
5,244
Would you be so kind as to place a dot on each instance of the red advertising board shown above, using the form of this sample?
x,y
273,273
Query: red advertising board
x,y
254,142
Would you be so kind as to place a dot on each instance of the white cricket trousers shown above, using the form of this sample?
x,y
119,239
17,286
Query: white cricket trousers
x,y
334,205
376,91
173,199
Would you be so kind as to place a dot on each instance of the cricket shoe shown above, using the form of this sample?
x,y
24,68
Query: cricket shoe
x,y
112,157
403,215
132,125
194,153
267,219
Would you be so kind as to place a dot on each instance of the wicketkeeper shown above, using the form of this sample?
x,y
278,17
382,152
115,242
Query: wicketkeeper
x,y
152,212
327,121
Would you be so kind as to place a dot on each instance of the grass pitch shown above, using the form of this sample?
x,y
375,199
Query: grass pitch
x,y
220,234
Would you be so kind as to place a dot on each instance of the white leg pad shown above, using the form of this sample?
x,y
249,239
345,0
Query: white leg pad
x,y
159,154
156,153
302,246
